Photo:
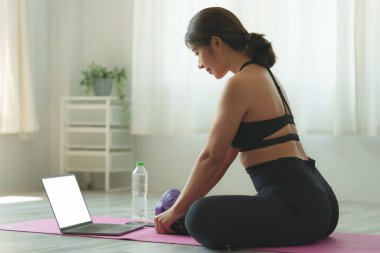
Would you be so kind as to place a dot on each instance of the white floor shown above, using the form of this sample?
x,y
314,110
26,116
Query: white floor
x,y
354,217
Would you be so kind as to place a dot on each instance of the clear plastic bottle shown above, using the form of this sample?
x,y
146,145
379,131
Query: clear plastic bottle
x,y
139,192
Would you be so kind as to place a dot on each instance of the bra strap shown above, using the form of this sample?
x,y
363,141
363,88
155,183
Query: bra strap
x,y
286,106
269,142
246,63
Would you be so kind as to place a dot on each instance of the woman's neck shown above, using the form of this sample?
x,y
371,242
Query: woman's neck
x,y
236,60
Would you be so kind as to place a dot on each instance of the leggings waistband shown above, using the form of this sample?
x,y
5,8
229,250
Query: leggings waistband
x,y
288,171
251,170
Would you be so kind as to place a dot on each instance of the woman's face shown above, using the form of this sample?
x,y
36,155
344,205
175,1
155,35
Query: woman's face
x,y
210,59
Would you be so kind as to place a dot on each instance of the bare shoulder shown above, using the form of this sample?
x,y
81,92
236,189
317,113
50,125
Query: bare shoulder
x,y
249,80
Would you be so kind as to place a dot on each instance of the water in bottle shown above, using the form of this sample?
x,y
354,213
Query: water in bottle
x,y
139,192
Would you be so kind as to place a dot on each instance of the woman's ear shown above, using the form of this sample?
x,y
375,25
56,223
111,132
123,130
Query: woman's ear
x,y
216,42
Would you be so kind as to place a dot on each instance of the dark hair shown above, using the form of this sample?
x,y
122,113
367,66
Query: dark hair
x,y
217,21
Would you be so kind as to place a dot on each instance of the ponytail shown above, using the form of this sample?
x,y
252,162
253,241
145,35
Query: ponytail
x,y
260,50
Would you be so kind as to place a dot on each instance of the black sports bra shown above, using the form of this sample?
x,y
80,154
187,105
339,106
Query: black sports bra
x,y
251,135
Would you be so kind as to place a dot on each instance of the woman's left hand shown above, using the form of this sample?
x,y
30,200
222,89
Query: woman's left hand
x,y
163,221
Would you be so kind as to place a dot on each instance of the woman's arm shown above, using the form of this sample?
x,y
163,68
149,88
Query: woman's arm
x,y
205,180
230,157
214,159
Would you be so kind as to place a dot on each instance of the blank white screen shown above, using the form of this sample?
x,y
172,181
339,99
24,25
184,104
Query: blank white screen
x,y
66,200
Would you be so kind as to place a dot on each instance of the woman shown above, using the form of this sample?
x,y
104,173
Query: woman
x,y
294,205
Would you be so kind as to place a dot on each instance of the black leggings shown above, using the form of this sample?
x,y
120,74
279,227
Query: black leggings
x,y
294,205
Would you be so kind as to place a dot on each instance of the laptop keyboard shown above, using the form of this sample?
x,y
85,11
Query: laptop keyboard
x,y
95,227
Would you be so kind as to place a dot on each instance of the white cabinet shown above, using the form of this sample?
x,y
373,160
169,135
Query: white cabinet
x,y
96,139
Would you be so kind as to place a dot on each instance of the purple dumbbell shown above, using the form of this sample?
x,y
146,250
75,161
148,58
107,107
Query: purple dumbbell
x,y
159,208
167,201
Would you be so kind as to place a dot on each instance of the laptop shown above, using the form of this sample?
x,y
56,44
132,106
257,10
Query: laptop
x,y
71,212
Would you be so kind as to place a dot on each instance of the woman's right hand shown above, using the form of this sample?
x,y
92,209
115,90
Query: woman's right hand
x,y
163,221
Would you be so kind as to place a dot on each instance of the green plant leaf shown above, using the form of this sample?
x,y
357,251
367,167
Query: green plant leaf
x,y
118,75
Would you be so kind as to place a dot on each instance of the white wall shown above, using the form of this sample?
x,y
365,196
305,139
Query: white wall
x,y
107,35
65,59
350,164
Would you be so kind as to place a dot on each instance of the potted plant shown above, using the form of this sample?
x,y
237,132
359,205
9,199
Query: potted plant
x,y
100,80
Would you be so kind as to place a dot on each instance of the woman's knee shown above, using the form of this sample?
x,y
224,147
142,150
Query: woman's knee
x,y
196,216
197,222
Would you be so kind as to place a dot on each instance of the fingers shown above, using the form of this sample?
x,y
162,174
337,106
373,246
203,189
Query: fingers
x,y
169,230
160,226
157,226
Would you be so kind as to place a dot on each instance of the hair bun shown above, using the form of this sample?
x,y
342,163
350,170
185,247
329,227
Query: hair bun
x,y
260,49
259,40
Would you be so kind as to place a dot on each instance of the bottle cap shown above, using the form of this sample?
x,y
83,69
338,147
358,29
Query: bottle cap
x,y
139,164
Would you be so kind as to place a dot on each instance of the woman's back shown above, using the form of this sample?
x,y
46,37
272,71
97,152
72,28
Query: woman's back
x,y
265,106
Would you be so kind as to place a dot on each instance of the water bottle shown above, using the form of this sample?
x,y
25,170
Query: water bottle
x,y
139,192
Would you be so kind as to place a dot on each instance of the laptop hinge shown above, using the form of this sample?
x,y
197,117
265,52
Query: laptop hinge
x,y
76,226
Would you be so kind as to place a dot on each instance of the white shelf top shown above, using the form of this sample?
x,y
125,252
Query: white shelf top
x,y
96,170
89,97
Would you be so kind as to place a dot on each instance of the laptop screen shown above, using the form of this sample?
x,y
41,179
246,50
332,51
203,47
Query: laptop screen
x,y
66,200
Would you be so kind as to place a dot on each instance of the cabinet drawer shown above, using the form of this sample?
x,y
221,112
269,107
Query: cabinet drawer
x,y
82,137
95,161
93,115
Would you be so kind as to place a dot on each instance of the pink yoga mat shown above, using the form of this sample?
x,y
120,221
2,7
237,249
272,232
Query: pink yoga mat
x,y
336,243
147,234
